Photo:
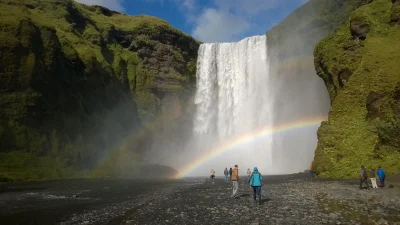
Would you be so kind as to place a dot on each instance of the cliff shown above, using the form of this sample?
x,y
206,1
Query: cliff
x,y
78,82
360,67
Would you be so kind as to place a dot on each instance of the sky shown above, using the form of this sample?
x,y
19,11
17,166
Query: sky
x,y
210,20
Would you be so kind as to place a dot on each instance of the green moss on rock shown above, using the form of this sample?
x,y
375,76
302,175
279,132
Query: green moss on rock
x,y
363,123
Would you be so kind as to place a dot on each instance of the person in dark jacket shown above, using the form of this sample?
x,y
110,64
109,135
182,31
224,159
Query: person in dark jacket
x,y
230,174
363,177
382,175
256,183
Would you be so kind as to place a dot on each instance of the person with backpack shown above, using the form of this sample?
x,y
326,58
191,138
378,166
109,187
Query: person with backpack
x,y
382,175
226,174
235,181
256,183
230,174
363,177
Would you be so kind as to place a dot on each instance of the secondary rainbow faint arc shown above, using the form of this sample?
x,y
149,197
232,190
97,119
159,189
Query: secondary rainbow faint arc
x,y
232,144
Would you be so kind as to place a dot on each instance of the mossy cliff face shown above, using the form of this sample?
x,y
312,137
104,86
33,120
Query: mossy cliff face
x,y
361,69
75,80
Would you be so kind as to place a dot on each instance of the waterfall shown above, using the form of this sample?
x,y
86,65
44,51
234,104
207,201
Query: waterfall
x,y
243,88
233,98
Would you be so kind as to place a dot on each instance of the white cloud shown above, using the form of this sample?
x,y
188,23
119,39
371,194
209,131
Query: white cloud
x,y
111,4
188,4
218,26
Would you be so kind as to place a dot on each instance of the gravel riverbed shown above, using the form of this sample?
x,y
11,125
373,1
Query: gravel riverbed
x,y
287,199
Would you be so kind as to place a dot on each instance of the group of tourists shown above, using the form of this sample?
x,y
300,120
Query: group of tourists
x,y
364,177
254,179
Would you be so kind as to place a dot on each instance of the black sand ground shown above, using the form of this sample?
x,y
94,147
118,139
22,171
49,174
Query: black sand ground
x,y
78,201
288,199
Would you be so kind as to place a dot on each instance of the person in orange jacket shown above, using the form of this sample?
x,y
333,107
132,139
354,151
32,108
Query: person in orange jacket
x,y
235,181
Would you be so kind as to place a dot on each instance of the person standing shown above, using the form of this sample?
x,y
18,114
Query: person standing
x,y
226,173
311,172
235,181
230,174
256,183
373,179
363,177
212,175
248,175
382,175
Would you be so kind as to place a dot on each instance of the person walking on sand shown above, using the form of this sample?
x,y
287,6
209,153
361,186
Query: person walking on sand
x,y
382,175
235,181
363,177
226,173
230,174
212,175
373,179
256,183
248,175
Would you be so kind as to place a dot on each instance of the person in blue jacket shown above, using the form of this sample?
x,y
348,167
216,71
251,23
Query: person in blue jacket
x,y
255,183
381,174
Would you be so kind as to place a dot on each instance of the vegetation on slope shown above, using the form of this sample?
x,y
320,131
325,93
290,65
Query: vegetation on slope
x,y
76,80
360,67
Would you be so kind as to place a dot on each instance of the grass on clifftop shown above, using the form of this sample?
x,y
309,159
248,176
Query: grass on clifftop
x,y
352,69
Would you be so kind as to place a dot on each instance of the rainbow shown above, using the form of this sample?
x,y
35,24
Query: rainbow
x,y
234,143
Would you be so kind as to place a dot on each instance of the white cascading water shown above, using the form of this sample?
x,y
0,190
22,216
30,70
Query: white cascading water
x,y
233,99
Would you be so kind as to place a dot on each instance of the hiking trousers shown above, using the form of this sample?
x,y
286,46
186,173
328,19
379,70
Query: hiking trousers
x,y
382,182
363,181
235,187
257,192
373,181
